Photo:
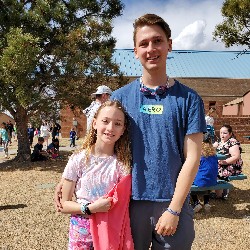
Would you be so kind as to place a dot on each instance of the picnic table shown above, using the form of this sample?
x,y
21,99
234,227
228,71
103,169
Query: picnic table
x,y
247,136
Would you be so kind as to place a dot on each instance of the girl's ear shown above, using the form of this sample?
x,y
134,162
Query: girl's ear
x,y
94,123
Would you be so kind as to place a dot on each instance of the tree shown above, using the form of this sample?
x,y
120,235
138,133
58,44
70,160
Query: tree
x,y
235,29
53,52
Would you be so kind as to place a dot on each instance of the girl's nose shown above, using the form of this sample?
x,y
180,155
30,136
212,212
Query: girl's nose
x,y
110,126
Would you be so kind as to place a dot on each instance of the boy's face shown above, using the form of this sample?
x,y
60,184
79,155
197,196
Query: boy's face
x,y
152,47
40,142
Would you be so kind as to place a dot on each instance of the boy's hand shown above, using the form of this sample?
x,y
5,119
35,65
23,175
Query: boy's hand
x,y
58,196
167,224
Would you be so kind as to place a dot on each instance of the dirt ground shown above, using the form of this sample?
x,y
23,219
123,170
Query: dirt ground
x,y
28,219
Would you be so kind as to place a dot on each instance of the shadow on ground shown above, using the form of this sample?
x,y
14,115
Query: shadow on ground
x,y
53,164
237,197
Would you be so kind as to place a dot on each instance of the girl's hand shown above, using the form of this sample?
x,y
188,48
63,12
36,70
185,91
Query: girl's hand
x,y
167,224
103,204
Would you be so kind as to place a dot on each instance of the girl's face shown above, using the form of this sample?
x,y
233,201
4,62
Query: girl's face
x,y
224,134
152,47
110,124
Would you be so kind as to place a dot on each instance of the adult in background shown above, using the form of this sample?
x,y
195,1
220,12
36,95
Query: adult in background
x,y
167,124
230,147
55,130
101,95
210,123
10,129
45,132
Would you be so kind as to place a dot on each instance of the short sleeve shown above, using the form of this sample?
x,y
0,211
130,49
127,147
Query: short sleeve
x,y
71,170
196,118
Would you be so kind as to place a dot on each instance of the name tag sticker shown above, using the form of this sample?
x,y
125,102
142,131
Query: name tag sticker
x,y
152,109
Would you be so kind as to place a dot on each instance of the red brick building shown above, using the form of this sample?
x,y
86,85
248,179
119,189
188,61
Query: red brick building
x,y
219,77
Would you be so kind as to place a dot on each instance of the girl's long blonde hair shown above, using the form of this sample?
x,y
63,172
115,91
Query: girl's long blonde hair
x,y
122,145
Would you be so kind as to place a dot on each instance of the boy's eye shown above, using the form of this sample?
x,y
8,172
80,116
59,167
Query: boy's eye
x,y
143,44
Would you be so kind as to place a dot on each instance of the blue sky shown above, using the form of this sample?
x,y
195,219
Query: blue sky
x,y
191,21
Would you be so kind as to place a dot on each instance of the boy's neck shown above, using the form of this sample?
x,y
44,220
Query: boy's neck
x,y
154,80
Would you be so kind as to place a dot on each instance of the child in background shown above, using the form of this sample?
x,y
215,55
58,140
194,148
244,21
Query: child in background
x,y
31,131
36,133
38,153
91,173
53,148
5,138
72,136
207,173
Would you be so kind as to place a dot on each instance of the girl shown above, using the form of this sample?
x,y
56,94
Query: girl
x,y
91,173
230,148
207,173
5,138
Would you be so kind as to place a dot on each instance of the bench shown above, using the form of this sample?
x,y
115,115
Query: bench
x,y
237,177
247,136
221,184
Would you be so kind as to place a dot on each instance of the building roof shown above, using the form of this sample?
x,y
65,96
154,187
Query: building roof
x,y
235,101
192,64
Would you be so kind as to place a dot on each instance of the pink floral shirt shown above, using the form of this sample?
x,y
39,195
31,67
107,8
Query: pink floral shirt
x,y
96,178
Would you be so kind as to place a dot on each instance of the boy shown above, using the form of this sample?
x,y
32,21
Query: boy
x,y
53,148
72,136
38,153
166,153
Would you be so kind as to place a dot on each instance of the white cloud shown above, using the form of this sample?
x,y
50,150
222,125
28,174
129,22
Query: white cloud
x,y
192,36
192,22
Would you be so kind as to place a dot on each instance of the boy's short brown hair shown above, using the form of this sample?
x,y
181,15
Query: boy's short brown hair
x,y
151,19
41,139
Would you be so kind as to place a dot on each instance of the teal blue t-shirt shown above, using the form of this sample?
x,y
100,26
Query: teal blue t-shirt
x,y
4,134
158,125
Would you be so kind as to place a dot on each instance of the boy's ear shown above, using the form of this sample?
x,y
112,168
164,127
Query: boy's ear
x,y
169,44
135,52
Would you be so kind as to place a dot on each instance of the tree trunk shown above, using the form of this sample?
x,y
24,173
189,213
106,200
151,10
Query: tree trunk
x,y
21,119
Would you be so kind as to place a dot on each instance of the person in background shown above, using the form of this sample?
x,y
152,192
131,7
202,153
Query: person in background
x,y
53,148
10,130
207,173
5,139
31,132
72,137
14,134
37,133
102,163
55,130
230,147
210,123
38,153
45,132
101,95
